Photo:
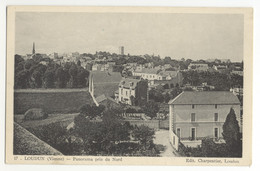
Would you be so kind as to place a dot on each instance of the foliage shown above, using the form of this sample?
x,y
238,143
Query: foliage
x,y
231,134
31,73
91,110
221,81
208,148
150,109
35,114
158,95
58,137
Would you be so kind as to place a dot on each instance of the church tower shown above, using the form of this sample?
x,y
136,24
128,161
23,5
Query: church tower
x,y
33,51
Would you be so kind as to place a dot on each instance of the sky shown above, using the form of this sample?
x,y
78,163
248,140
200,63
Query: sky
x,y
193,36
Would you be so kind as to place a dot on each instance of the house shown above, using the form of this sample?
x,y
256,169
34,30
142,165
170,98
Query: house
x,y
132,91
237,91
220,67
198,66
106,101
171,78
195,115
148,74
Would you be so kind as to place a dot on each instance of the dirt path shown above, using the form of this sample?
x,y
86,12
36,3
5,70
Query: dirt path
x,y
162,138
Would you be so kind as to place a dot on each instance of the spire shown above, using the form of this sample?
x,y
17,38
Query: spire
x,y
33,51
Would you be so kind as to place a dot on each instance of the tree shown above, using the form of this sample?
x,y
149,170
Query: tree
x,y
22,79
18,59
145,135
37,78
78,63
73,75
82,76
167,98
132,99
150,109
91,111
231,134
60,76
49,79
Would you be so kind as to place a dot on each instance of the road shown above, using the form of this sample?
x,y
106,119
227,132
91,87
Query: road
x,y
162,138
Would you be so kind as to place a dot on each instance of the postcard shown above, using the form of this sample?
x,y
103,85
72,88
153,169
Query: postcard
x,y
129,86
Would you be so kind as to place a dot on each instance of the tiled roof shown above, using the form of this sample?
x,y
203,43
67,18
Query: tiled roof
x,y
101,98
126,82
205,97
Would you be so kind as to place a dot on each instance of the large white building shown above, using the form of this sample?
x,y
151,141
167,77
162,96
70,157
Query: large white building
x,y
196,115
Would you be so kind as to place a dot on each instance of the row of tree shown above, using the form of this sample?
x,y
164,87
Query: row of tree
x,y
221,81
44,73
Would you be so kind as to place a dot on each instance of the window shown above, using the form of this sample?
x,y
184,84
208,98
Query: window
x,y
193,106
216,106
193,134
216,133
179,132
126,93
121,91
193,117
216,117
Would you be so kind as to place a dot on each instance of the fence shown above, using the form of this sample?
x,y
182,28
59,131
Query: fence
x,y
154,124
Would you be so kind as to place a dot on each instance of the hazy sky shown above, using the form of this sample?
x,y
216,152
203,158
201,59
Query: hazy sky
x,y
195,36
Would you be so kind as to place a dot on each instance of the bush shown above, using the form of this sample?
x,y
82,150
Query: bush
x,y
35,114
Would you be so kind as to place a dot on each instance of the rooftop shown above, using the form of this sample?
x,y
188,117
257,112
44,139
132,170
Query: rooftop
x,y
205,97
129,82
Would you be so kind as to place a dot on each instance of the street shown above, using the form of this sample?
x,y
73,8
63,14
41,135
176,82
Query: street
x,y
162,138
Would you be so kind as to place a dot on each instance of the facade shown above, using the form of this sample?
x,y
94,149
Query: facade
x,y
157,77
132,91
196,115
148,74
220,67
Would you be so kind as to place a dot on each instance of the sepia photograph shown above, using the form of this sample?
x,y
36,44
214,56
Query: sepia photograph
x,y
129,85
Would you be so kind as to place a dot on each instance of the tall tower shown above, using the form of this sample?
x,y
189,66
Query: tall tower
x,y
33,50
121,50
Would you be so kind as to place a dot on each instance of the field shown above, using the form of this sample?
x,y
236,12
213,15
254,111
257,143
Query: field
x,y
52,101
